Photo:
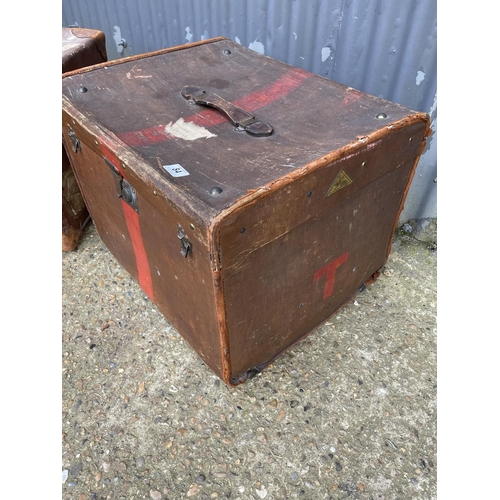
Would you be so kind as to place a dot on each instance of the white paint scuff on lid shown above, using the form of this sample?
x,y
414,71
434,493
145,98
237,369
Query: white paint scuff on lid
x,y
237,40
325,53
188,131
257,46
189,35
420,77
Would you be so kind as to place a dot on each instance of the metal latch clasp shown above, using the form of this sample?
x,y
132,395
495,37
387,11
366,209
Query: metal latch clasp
x,y
124,189
76,146
186,246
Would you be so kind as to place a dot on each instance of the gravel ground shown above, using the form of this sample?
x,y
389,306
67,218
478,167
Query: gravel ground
x,y
350,412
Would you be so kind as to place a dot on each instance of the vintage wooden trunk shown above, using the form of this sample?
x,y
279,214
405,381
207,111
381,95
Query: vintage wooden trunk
x,y
80,47
247,233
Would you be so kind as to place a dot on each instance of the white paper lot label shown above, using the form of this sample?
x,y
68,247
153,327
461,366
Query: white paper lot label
x,y
176,170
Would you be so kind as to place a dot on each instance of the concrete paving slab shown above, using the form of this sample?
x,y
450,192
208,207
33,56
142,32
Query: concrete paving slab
x,y
349,412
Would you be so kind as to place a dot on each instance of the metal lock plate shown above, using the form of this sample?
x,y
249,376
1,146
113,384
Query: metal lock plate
x,y
129,195
124,189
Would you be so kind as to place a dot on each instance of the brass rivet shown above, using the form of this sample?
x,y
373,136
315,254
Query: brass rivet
x,y
97,142
242,230
381,116
155,193
82,90
226,52
123,165
74,123
309,193
363,164
410,139
191,226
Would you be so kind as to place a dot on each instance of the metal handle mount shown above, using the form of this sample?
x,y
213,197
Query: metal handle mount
x,y
238,116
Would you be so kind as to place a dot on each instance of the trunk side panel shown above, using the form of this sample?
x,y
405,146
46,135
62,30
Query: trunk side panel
x,y
282,280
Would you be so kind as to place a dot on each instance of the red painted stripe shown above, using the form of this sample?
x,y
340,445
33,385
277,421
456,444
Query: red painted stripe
x,y
351,96
141,257
209,117
329,270
134,230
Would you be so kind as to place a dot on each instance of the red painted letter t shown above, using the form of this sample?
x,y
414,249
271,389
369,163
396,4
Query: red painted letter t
x,y
329,271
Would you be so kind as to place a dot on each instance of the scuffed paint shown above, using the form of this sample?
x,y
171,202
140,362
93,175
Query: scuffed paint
x,y
295,35
117,37
136,73
188,131
189,35
237,40
420,77
257,46
352,95
325,53
373,144
433,110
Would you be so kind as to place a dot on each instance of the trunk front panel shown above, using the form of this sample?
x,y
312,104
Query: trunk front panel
x,y
147,245
280,288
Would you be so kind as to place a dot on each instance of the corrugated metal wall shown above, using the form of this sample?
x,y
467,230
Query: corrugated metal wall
x,y
386,48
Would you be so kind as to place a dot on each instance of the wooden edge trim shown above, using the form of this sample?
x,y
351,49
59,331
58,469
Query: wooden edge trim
x,y
213,236
427,133
220,311
143,56
214,229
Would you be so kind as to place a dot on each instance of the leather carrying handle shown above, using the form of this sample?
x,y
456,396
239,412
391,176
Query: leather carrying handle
x,y
238,116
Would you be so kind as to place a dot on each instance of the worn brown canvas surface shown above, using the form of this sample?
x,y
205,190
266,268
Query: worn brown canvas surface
x,y
250,199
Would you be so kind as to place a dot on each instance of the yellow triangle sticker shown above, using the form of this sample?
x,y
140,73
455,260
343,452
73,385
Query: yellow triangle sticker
x,y
341,181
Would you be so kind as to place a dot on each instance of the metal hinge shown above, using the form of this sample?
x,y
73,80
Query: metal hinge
x,y
74,140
